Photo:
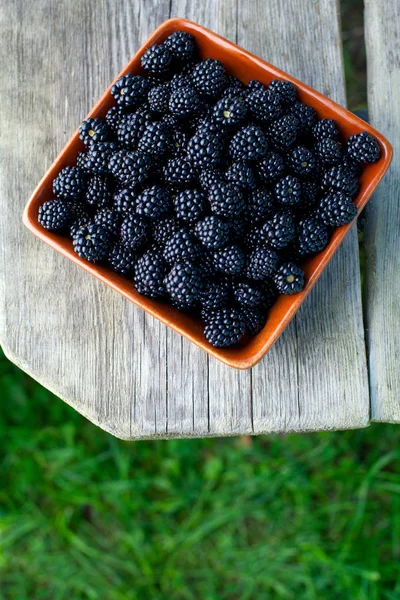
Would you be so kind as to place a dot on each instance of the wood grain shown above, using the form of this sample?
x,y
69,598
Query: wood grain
x,y
382,219
116,365
316,374
76,336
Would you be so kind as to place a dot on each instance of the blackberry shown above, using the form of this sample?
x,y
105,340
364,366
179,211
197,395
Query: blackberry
x,y
180,80
92,242
309,193
247,294
312,236
206,126
305,115
208,313
288,191
124,201
81,221
249,143
337,209
129,168
181,45
150,270
329,151
255,86
134,231
226,199
98,192
113,117
283,132
145,111
260,204
325,128
205,150
209,176
184,102
181,245
229,112
178,172
70,183
289,279
242,175
284,89
98,157
121,259
163,229
209,77
94,130
271,167
156,60
224,328
131,128
130,90
234,92
363,148
81,161
153,202
301,160
54,215
229,260
184,284
340,178
351,166
280,231
215,295
261,263
158,98
264,105
109,219
212,232
156,140
254,237
189,205
254,320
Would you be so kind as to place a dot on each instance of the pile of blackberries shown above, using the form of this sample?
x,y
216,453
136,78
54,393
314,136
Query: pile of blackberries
x,y
207,192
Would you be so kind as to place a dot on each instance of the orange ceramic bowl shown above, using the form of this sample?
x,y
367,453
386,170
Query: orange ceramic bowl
x,y
245,66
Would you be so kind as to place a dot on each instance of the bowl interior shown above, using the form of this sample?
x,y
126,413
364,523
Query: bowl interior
x,y
245,66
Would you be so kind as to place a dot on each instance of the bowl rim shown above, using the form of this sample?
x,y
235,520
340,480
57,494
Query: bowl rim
x,y
118,283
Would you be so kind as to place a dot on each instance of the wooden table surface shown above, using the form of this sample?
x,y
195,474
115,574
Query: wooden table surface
x,y
335,367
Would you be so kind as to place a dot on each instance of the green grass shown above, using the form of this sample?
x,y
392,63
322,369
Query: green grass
x,y
85,516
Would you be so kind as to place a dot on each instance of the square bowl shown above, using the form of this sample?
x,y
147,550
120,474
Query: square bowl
x,y
245,66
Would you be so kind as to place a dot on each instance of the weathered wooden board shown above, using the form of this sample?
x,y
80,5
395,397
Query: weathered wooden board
x,y
119,367
315,377
382,226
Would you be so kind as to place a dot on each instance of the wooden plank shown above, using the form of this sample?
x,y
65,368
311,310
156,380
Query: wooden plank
x,y
73,334
382,219
315,377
